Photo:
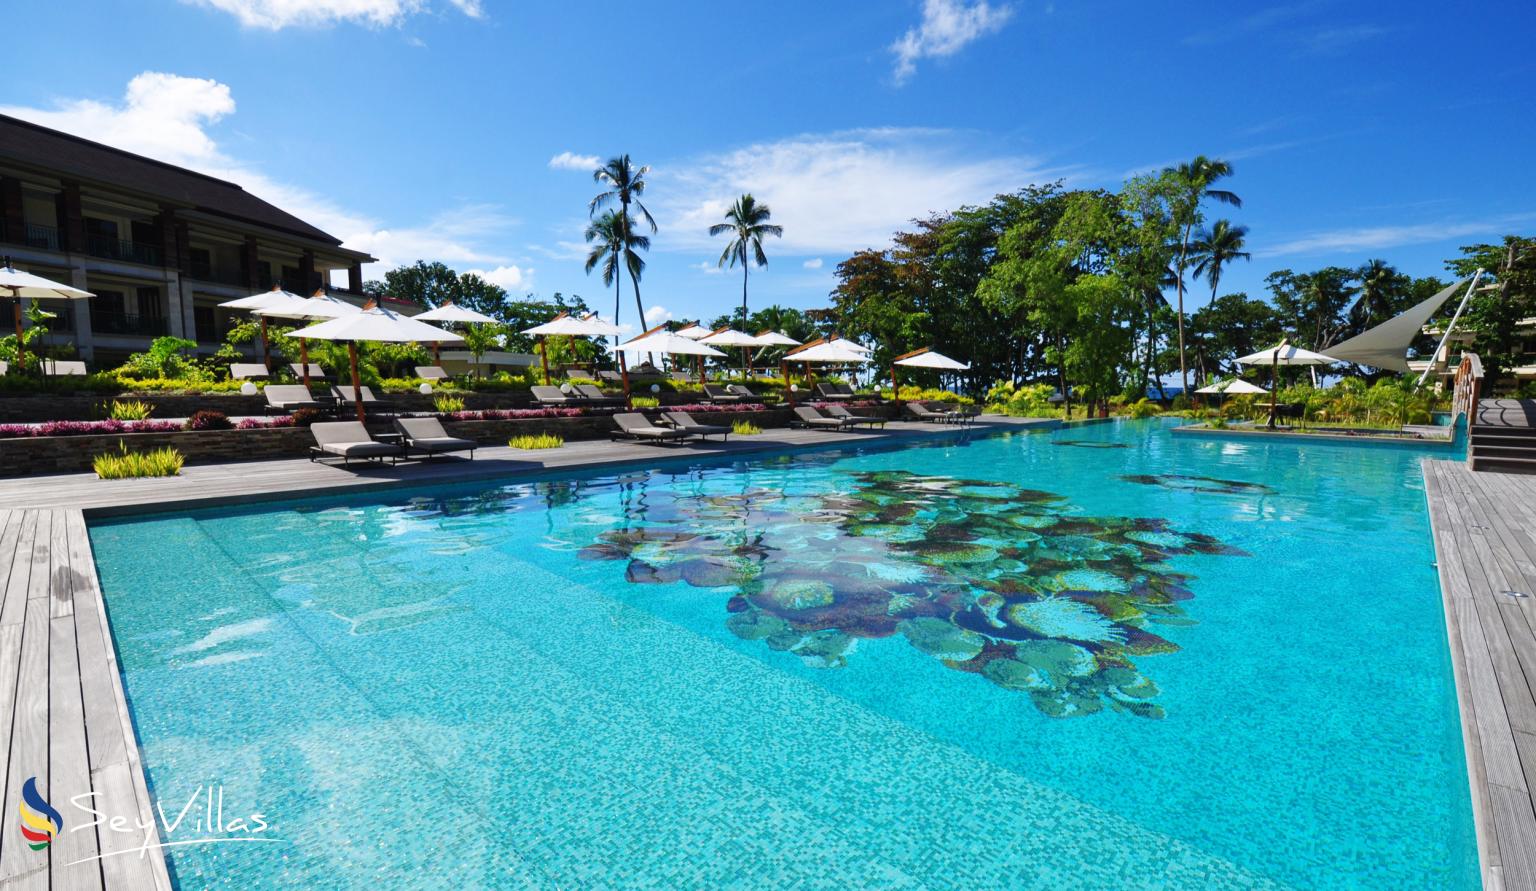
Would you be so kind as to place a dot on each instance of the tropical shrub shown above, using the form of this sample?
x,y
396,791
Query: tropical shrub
x,y
745,428
536,441
209,420
1144,408
444,404
645,401
1022,401
124,464
166,358
912,393
129,410
303,417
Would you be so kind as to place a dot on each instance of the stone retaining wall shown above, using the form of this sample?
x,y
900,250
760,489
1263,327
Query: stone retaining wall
x,y
63,454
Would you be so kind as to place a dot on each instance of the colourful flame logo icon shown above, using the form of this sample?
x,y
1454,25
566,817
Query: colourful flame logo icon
x,y
40,823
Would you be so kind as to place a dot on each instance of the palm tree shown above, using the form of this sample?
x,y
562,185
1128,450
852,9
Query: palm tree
x,y
1378,284
1197,176
748,221
613,246
625,184
1215,248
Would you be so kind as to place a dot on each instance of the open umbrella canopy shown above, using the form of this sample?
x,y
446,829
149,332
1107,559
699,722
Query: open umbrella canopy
x,y
377,324
15,283
670,343
775,338
694,331
573,326
1286,354
316,307
452,312
276,298
827,352
927,358
1235,386
727,337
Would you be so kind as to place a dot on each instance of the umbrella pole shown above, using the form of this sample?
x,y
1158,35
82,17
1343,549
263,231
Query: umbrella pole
x,y
544,356
304,359
357,381
895,387
21,353
437,353
1274,387
624,369
784,373
266,349
699,360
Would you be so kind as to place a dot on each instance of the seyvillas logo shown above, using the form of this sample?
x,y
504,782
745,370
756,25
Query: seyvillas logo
x,y
40,823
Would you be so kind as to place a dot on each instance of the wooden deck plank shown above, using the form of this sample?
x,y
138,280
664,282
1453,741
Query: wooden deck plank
x,y
29,737
99,678
69,769
10,526
13,607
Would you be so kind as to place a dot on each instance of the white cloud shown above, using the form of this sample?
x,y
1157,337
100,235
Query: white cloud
x,y
707,267
947,27
514,279
274,15
813,263
655,315
1370,238
166,117
573,161
834,193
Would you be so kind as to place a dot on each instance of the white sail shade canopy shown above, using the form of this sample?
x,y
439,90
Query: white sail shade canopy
x,y
1386,345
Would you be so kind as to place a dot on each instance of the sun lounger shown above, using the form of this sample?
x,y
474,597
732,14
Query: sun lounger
x,y
633,425
681,420
682,377
842,414
551,397
314,370
431,373
924,413
806,416
348,440
285,399
834,392
56,368
597,398
610,377
718,394
244,371
345,398
746,394
426,435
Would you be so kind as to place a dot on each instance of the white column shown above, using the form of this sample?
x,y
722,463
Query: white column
x,y
85,342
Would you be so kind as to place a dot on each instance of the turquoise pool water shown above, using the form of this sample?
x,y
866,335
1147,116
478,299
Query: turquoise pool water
x,y
1100,657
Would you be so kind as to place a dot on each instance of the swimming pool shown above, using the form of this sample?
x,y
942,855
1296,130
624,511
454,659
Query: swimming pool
x,y
1104,656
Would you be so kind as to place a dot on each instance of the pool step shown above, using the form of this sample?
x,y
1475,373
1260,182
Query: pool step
x,y
1502,448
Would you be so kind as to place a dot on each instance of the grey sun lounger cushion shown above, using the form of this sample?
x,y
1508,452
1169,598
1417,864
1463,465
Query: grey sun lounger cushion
x,y
810,417
57,368
298,369
348,440
837,411
634,425
593,395
552,396
745,393
681,420
834,391
927,414
245,370
346,396
288,397
427,435
720,394
431,373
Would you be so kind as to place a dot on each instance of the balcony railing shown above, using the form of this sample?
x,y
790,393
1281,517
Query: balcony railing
x,y
118,249
32,235
137,326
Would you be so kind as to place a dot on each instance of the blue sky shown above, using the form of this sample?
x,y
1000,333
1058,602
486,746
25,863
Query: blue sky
x,y
431,128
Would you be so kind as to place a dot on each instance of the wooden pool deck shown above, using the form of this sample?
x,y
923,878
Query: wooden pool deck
x,y
1485,541
64,718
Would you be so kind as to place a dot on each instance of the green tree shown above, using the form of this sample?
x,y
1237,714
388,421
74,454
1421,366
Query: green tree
x,y
614,251
1196,178
1231,326
1496,314
433,284
625,184
747,222
1216,247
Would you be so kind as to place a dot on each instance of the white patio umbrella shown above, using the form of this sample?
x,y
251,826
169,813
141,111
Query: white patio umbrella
x,y
775,338
658,340
1233,386
832,350
24,285
1283,354
694,331
924,358
320,306
730,337
452,312
378,324
568,325
276,298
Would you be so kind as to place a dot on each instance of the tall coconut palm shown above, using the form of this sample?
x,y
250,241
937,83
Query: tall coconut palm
x,y
625,184
1379,286
613,246
1216,247
748,222
1196,178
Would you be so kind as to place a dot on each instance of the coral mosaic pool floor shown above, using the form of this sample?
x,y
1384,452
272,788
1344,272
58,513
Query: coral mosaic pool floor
x,y
1100,657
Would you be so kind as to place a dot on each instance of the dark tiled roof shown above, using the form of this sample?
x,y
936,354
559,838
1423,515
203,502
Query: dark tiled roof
x,y
70,157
